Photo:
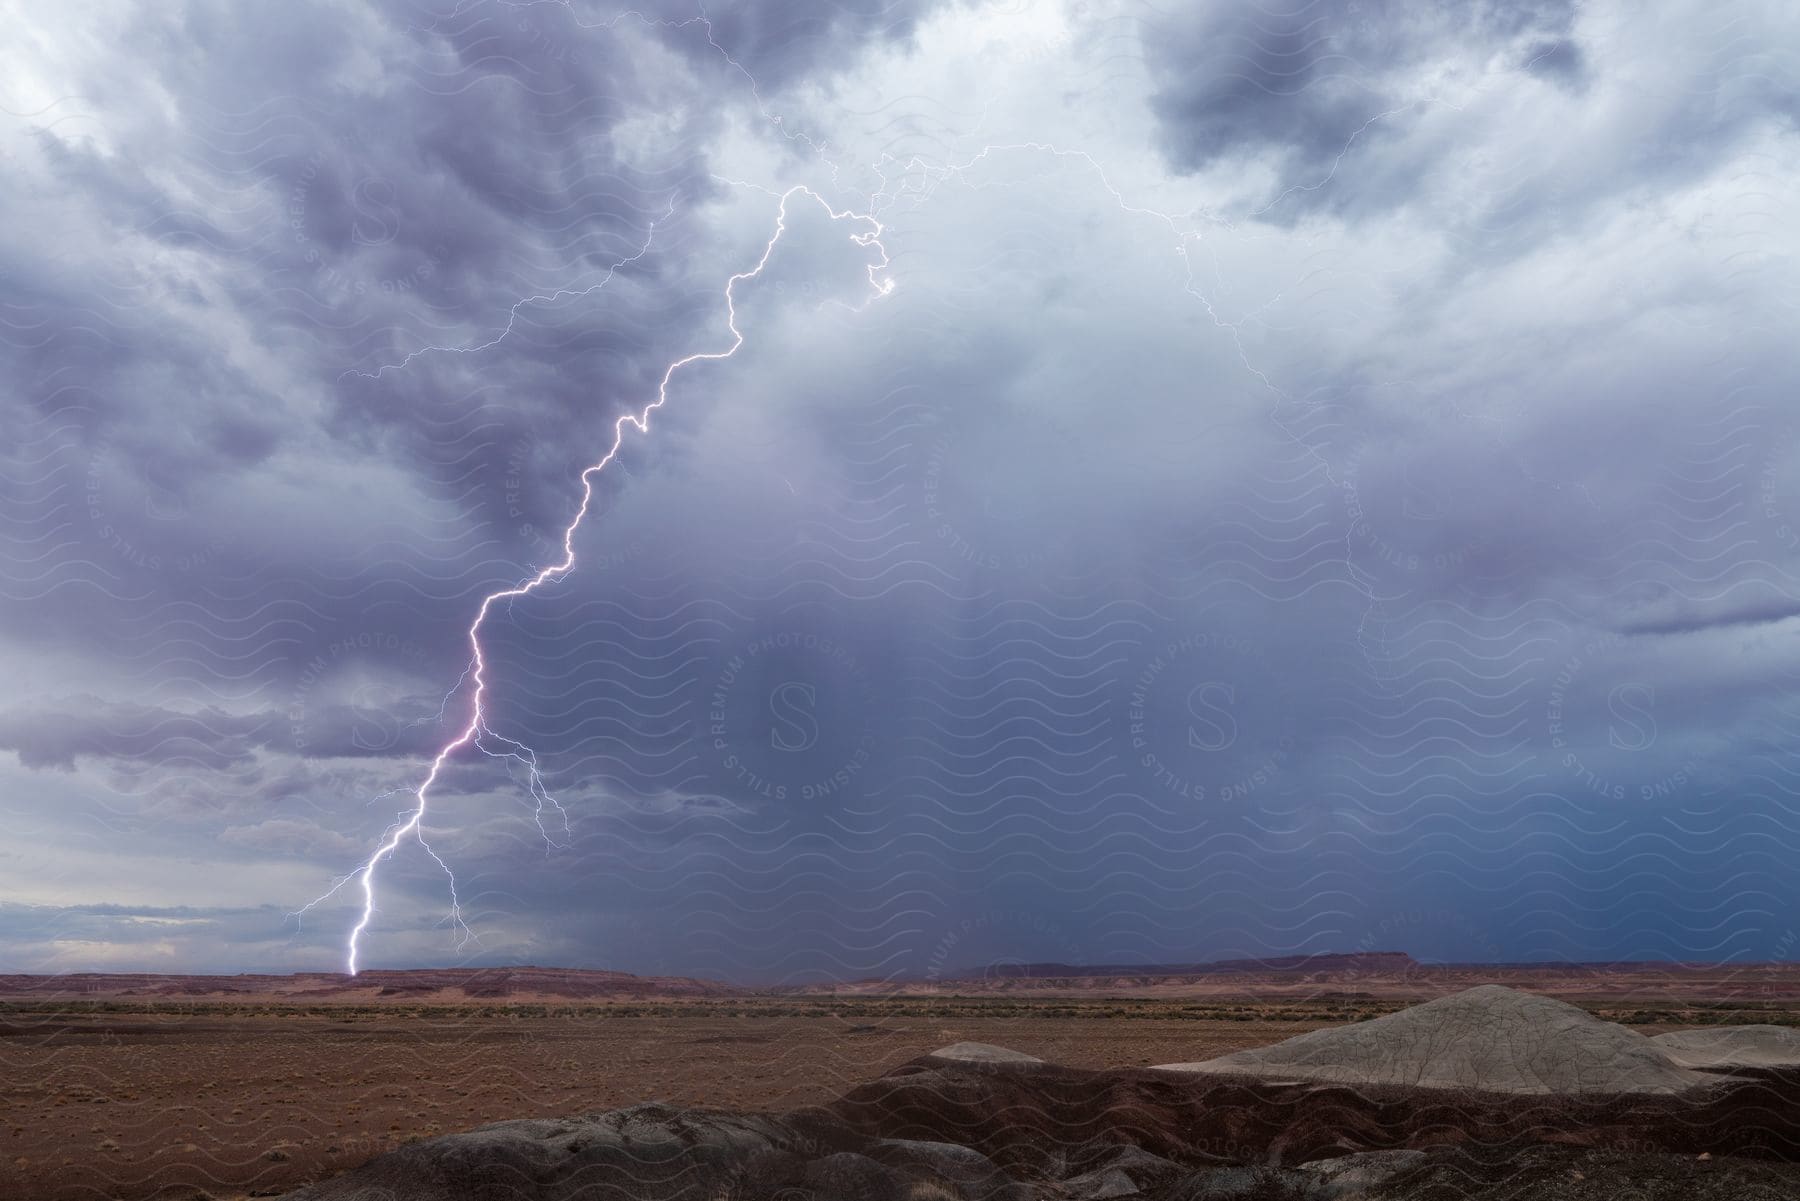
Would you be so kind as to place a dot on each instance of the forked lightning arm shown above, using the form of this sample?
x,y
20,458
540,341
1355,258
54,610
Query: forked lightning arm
x,y
475,727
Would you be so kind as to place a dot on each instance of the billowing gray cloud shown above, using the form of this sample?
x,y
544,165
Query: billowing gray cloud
x,y
94,728
1362,107
1300,83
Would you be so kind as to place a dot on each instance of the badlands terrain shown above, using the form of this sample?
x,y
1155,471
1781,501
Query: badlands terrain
x,y
1341,1076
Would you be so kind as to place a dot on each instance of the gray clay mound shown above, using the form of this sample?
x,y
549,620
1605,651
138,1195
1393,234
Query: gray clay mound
x,y
1488,1039
982,1053
1724,1048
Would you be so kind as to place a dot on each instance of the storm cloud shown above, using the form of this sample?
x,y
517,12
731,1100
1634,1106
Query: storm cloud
x,y
1281,479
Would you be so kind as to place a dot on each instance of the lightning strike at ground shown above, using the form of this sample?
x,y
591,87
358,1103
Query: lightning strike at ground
x,y
475,732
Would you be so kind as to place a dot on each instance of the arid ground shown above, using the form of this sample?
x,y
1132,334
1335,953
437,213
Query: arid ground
x,y
127,1091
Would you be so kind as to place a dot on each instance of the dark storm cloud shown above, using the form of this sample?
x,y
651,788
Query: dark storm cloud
x,y
1298,83
337,193
1691,618
778,43
1559,58
1078,600
218,483
1334,101
240,498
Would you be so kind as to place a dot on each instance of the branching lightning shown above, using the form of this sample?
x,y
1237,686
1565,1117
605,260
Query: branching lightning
x,y
512,315
475,731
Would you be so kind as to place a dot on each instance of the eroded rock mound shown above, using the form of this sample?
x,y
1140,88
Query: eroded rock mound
x,y
1489,1039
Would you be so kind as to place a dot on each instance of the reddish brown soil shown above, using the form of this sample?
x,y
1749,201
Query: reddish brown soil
x,y
166,1105
135,1088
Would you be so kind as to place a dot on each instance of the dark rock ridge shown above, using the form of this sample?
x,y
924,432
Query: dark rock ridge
x,y
1020,1115
662,1153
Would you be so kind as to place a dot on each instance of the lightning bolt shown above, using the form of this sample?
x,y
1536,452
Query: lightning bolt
x,y
475,731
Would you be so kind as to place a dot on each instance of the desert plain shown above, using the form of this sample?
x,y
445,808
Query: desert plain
x,y
135,1087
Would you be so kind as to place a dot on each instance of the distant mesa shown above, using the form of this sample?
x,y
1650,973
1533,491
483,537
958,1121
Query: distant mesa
x,y
1487,1039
